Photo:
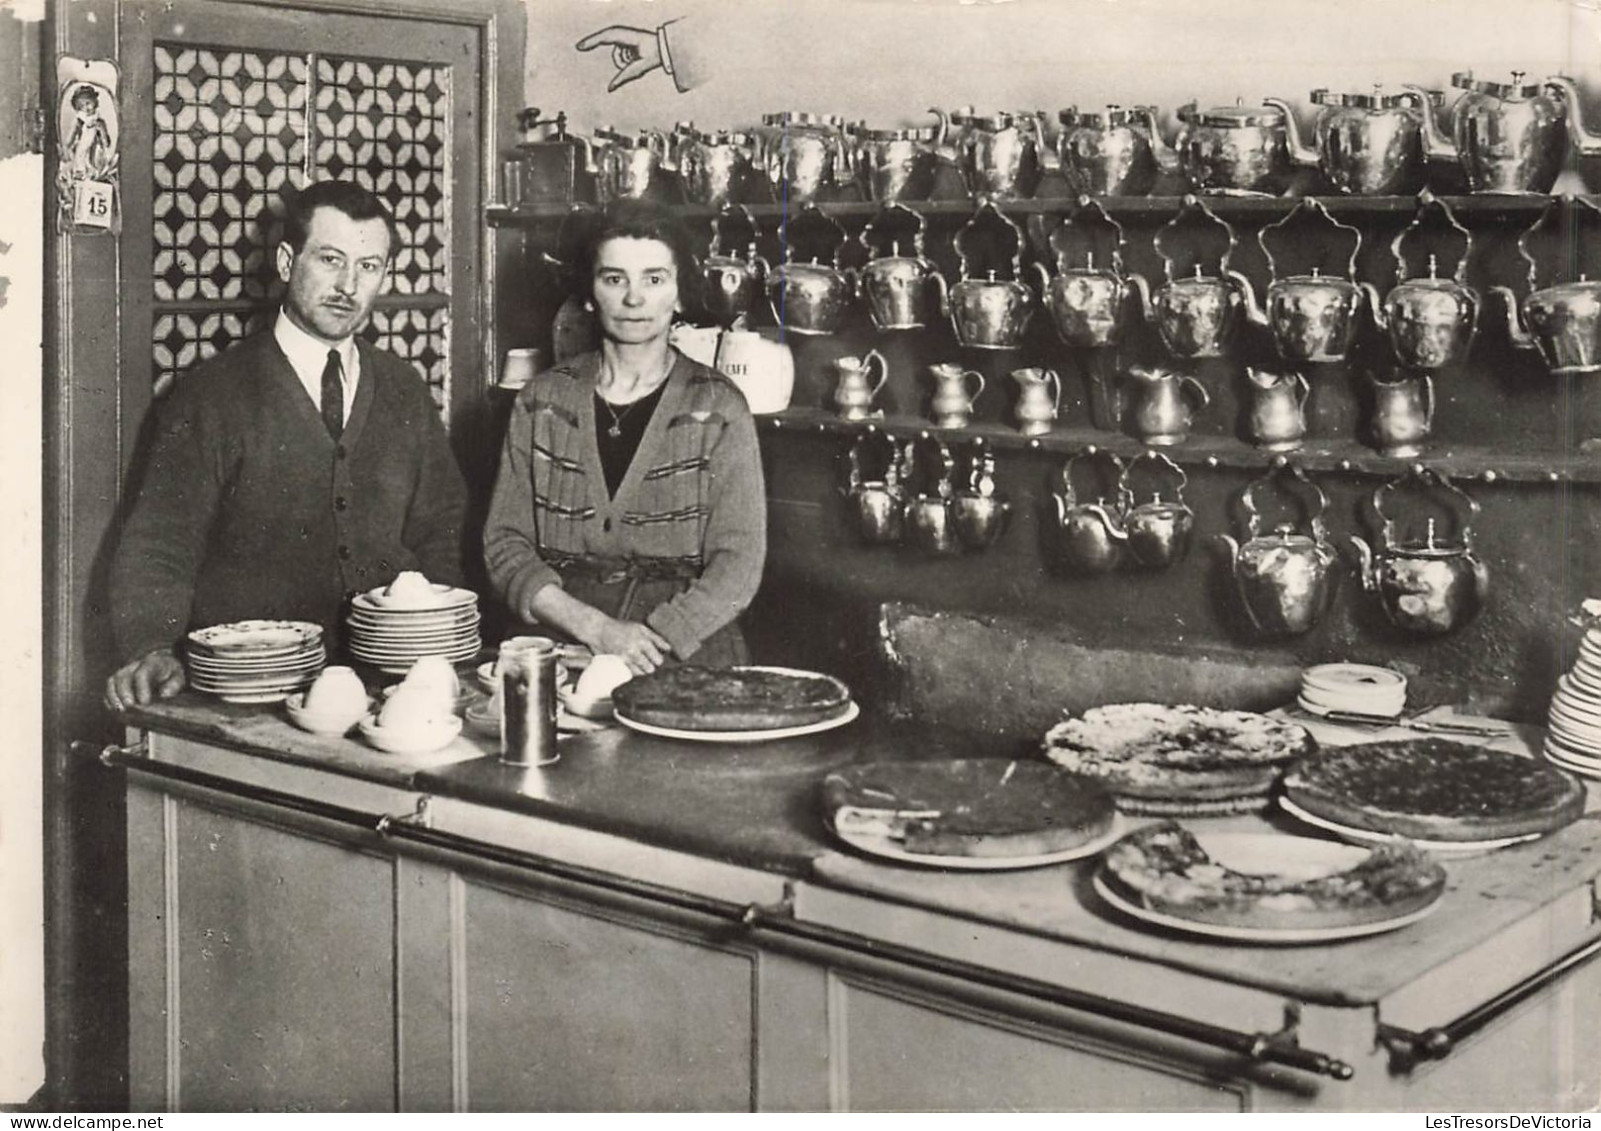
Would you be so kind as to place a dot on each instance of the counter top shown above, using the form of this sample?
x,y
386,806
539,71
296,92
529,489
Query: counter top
x,y
755,805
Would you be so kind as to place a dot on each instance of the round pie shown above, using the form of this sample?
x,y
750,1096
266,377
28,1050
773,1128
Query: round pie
x,y
1434,789
981,807
1174,759
688,697
1164,868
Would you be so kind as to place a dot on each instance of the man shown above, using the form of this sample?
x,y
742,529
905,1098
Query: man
x,y
291,471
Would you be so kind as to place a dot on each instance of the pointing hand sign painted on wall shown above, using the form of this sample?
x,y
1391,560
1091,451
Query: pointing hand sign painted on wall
x,y
636,52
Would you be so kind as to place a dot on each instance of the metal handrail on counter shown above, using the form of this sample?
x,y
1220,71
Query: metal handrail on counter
x,y
775,924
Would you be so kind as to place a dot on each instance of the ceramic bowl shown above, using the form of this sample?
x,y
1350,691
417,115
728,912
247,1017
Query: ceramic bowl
x,y
585,707
419,740
321,722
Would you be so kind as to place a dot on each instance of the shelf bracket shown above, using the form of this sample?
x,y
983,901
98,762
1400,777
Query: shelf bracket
x,y
418,817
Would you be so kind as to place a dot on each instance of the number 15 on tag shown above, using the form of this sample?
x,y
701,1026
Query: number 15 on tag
x,y
91,204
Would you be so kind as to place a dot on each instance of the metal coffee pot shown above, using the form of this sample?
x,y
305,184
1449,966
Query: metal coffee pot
x,y
896,287
1039,397
1118,152
630,165
1086,302
714,166
1236,149
1195,314
811,298
1366,144
1511,137
877,507
952,403
1562,321
1284,579
1090,537
1161,414
1313,317
990,313
803,154
1425,586
1277,419
1430,322
1158,529
999,155
977,511
1403,414
731,284
853,397
897,165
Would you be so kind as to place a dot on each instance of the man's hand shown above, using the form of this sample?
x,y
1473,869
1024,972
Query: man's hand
x,y
634,52
155,675
642,648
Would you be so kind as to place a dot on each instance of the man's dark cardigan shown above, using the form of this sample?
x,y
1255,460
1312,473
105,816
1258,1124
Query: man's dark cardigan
x,y
249,509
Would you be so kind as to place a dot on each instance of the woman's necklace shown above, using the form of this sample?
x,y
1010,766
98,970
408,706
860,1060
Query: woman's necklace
x,y
615,431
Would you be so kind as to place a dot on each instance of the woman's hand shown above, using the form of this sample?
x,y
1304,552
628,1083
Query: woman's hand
x,y
641,647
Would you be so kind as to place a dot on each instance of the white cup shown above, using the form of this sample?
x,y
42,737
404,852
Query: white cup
x,y
521,366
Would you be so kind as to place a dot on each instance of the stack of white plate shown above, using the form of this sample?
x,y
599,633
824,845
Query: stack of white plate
x,y
392,638
255,661
1358,688
1573,737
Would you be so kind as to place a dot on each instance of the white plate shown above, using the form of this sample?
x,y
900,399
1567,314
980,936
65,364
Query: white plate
x,y
1358,678
1257,934
256,637
445,597
1368,836
277,696
890,849
297,663
1583,767
1323,709
850,712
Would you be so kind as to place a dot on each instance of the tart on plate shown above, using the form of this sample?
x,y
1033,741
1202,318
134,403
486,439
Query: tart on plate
x,y
691,698
1161,759
972,807
1434,789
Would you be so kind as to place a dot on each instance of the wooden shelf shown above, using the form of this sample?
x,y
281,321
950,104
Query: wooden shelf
x,y
1463,463
1493,204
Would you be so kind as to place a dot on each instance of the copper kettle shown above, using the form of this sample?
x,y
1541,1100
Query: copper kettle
x,y
1562,321
990,313
1090,537
1086,302
1196,315
1313,316
897,288
1284,579
1431,321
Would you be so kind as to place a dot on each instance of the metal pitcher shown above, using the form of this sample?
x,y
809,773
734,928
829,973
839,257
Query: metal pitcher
x,y
1284,579
853,396
714,166
1162,412
1403,414
731,284
1313,317
1562,321
1511,137
1039,397
1196,314
1277,419
1426,586
1158,529
1367,144
629,165
990,313
811,298
897,165
1086,302
1430,322
999,155
1240,150
1090,537
897,287
803,154
952,402
1118,152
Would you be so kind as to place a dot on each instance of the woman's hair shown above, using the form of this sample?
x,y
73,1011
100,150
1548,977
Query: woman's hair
x,y
640,220
86,98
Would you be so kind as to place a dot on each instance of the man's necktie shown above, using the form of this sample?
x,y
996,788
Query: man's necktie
x,y
333,396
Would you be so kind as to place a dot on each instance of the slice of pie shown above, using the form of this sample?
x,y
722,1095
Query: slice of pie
x,y
979,807
1434,789
1172,759
1164,868
688,697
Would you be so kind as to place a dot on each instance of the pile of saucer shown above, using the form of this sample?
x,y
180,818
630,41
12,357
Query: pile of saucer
x,y
393,636
1573,737
1360,689
254,661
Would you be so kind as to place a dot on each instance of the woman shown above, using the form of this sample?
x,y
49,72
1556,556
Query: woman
x,y
629,510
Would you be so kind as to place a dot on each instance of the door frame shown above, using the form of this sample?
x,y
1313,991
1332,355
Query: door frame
x,y
92,419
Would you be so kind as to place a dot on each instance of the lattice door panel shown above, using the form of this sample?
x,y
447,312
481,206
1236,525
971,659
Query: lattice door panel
x,y
232,128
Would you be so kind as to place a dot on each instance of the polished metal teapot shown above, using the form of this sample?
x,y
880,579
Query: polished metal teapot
x,y
1563,320
1427,586
1284,579
1000,155
1366,144
1511,137
811,298
897,288
1086,302
1239,150
1115,152
1197,314
1431,322
1090,537
1313,317
714,166
877,505
978,511
898,164
630,165
803,155
1158,529
731,284
990,313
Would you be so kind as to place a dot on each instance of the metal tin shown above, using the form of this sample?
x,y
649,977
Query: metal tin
x,y
529,666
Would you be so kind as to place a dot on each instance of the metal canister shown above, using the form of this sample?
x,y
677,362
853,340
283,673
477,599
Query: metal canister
x,y
528,668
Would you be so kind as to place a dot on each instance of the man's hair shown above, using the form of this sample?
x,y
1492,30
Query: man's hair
x,y
346,196
640,220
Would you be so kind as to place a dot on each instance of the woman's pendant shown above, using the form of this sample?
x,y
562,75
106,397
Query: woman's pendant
x,y
616,430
